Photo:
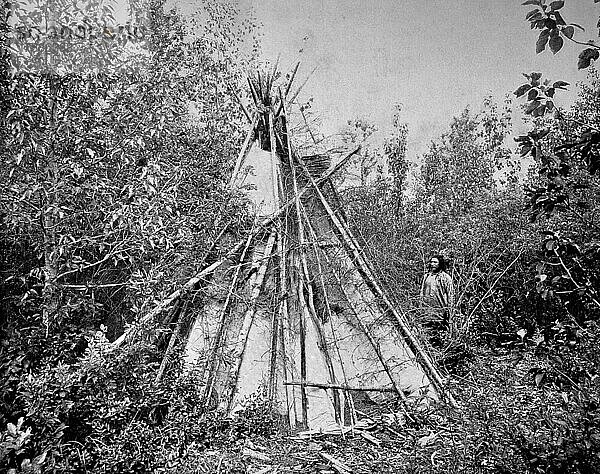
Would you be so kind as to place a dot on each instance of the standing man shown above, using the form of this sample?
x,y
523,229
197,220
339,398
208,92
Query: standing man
x,y
437,294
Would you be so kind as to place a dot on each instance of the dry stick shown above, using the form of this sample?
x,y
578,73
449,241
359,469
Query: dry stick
x,y
211,366
300,290
274,160
307,126
240,345
316,250
304,398
261,93
322,343
285,326
275,324
344,387
317,321
208,270
275,321
253,92
436,379
242,106
302,86
285,318
94,286
289,84
274,70
338,465
244,151
287,88
171,346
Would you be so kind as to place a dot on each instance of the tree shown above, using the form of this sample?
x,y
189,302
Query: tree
x,y
102,168
565,150
460,168
394,151
358,169
113,186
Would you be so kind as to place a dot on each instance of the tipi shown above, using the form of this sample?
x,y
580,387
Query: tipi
x,y
295,309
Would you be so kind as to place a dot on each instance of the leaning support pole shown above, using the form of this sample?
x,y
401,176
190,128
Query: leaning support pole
x,y
288,364
240,345
171,347
351,247
338,403
287,88
303,319
275,173
308,299
303,367
242,106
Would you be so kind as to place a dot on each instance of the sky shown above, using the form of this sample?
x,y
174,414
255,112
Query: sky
x,y
435,57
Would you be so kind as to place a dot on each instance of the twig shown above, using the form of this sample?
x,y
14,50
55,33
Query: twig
x,y
590,289
486,294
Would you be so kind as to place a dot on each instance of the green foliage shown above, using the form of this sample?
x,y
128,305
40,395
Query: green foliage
x,y
110,177
566,154
565,191
469,208
461,166
572,439
104,413
113,192
13,444
554,30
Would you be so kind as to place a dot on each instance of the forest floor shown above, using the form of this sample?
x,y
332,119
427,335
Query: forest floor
x,y
508,421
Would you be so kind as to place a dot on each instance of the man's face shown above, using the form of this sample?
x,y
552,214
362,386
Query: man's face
x,y
434,264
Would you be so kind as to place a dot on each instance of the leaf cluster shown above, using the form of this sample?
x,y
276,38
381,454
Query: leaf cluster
x,y
548,19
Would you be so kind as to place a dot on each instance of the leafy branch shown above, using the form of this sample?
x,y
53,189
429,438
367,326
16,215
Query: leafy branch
x,y
548,19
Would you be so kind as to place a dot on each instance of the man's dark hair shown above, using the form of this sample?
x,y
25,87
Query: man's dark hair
x,y
442,260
